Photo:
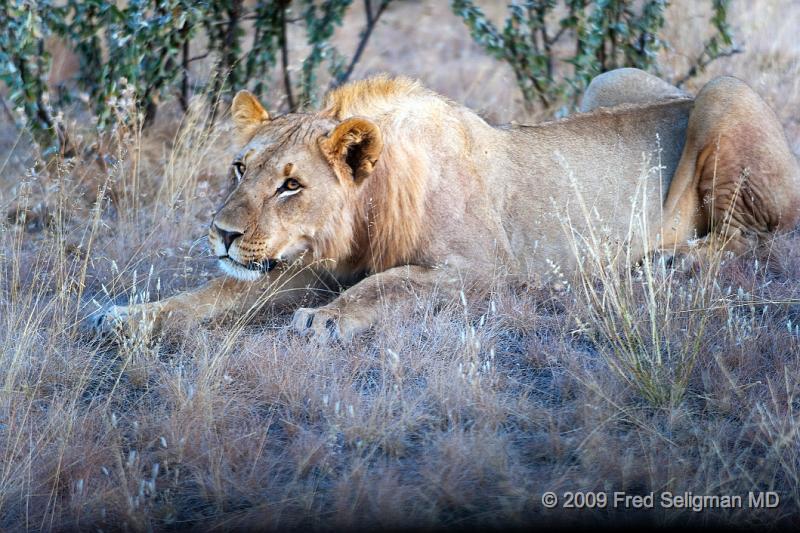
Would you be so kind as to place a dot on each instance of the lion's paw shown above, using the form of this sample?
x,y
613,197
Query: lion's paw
x,y
326,324
118,320
107,321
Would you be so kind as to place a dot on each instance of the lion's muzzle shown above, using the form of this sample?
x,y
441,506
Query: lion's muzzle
x,y
227,236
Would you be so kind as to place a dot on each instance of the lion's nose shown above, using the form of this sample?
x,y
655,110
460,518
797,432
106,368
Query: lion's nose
x,y
227,236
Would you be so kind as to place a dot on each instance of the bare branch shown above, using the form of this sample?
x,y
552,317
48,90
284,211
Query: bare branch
x,y
701,64
287,80
372,20
197,58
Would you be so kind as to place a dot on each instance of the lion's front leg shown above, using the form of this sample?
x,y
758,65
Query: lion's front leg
x,y
216,299
212,299
358,308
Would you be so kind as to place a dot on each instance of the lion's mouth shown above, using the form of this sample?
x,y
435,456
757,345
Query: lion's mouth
x,y
267,265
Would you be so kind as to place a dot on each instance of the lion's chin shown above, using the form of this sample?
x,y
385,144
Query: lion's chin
x,y
238,271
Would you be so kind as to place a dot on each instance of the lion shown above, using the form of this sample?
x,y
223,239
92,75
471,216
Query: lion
x,y
391,192
627,86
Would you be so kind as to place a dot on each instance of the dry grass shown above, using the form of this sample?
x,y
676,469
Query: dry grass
x,y
644,381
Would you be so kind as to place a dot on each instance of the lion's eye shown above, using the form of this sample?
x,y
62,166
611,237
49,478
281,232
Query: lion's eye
x,y
238,170
289,187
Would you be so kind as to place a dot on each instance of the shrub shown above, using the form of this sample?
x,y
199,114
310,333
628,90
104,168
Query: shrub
x,y
592,36
152,43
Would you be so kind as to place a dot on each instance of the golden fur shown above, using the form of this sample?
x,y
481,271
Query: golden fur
x,y
396,190
393,202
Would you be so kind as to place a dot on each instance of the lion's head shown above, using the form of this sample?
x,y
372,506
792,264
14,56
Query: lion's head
x,y
293,189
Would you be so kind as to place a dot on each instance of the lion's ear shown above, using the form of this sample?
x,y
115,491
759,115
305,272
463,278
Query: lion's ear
x,y
353,147
247,112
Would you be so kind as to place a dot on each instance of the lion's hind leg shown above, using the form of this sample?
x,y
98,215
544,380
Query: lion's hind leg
x,y
737,181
